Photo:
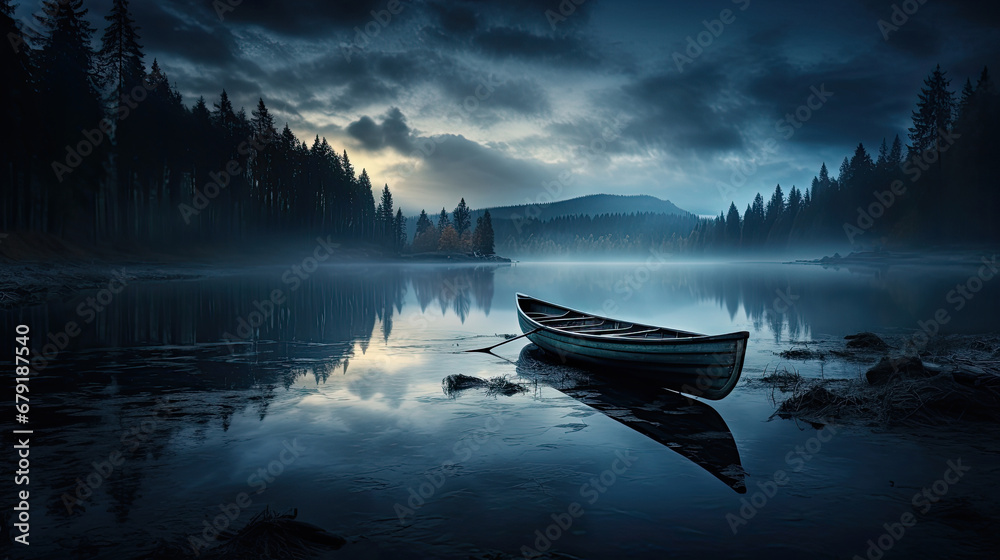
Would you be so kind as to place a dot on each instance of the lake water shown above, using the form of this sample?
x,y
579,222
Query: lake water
x,y
159,416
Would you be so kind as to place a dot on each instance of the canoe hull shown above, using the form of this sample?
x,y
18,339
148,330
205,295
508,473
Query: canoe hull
x,y
699,365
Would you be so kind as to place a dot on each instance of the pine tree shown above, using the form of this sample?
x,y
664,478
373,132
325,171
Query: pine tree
x,y
16,111
845,176
753,223
896,153
348,168
934,110
463,219
882,163
477,234
746,232
399,229
262,123
443,221
423,223
261,161
794,202
67,91
120,57
775,207
733,226
822,188
968,93
223,114
367,212
483,237
385,218
861,168
200,111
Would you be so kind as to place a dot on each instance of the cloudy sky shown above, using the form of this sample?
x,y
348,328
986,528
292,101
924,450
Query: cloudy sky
x,y
492,100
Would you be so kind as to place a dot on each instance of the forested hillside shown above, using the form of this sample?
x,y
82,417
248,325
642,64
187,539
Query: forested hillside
x,y
933,189
938,188
106,152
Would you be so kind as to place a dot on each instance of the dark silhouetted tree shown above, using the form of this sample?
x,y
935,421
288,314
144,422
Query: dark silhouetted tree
x,y
443,221
120,57
399,229
16,112
385,219
733,226
933,114
462,218
423,223
482,237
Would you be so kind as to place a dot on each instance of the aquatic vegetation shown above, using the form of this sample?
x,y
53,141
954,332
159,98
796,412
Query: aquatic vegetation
x,y
782,377
276,536
866,341
801,354
500,385
900,392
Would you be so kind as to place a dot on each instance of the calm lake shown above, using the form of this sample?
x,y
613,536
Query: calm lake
x,y
169,409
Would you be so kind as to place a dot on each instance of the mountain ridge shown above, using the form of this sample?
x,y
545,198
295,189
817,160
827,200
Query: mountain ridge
x,y
589,205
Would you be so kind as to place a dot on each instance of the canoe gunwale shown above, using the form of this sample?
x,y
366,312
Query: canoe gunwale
x,y
690,338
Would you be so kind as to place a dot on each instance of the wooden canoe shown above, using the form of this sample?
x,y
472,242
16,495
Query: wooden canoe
x,y
695,364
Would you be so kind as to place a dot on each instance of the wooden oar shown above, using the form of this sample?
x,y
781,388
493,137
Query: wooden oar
x,y
487,350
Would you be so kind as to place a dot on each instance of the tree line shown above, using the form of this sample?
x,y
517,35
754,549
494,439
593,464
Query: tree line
x,y
604,234
105,151
454,233
937,189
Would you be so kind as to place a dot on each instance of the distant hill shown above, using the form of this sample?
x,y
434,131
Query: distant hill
x,y
590,205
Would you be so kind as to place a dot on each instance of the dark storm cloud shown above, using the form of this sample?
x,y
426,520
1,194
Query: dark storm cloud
x,y
309,18
449,164
864,102
510,42
981,13
392,132
464,16
484,99
454,19
166,29
974,12
505,74
687,111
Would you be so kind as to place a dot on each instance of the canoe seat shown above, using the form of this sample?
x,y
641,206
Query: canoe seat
x,y
555,318
602,331
583,321
635,333
582,325
540,315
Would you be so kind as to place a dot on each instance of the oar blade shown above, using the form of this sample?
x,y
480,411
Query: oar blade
x,y
488,349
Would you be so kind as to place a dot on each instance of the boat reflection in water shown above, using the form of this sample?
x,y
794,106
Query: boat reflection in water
x,y
685,425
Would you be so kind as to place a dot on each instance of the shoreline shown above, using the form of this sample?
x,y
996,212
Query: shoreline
x,y
35,269
885,259
953,379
